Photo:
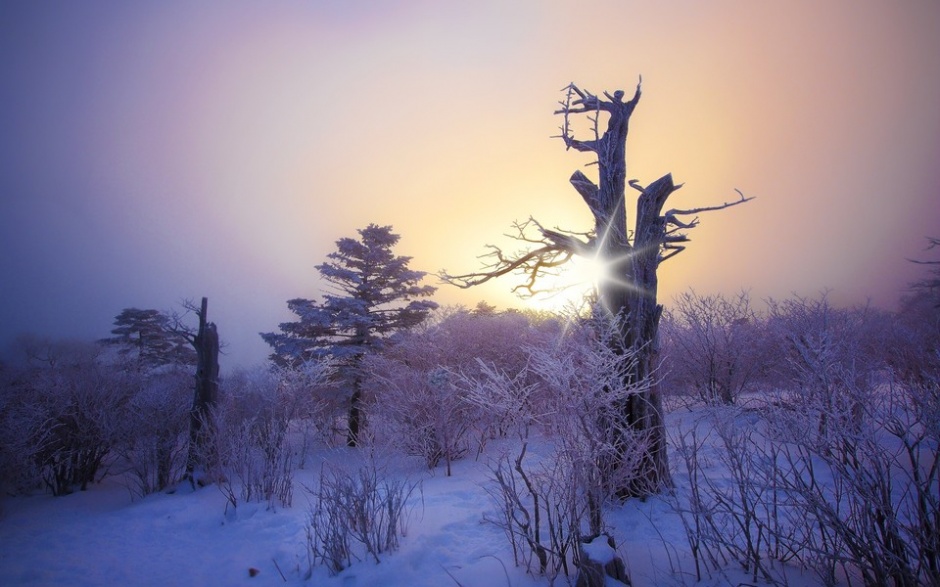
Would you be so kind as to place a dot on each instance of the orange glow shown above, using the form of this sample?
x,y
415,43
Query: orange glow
x,y
166,151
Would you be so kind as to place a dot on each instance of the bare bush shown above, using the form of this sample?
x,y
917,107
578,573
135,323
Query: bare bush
x,y
64,407
153,430
254,421
574,391
355,513
416,401
715,345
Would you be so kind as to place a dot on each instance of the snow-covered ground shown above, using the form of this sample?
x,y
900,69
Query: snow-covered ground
x,y
103,537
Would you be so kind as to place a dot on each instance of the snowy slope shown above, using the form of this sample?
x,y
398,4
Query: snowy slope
x,y
102,537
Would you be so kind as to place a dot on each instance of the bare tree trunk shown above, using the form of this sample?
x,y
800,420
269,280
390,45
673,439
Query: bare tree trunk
x,y
205,396
628,295
354,423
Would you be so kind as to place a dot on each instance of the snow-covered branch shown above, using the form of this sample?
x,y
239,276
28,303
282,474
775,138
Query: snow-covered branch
x,y
555,248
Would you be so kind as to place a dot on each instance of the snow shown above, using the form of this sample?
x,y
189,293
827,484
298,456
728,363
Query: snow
x,y
599,550
103,537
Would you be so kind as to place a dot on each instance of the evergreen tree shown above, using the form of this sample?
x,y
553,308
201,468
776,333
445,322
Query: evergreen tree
x,y
148,338
372,295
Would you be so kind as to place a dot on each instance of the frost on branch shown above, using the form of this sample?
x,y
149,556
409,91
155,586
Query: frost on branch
x,y
545,250
630,254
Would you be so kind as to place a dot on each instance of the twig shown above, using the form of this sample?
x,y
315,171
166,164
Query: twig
x,y
278,567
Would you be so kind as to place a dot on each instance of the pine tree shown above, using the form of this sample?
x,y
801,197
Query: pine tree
x,y
148,339
373,294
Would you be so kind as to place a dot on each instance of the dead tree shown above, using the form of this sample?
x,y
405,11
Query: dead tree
x,y
206,393
629,293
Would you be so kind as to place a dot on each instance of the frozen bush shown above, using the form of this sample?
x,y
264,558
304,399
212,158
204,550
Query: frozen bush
x,y
19,471
838,474
573,391
154,430
64,406
858,501
423,413
78,429
878,518
356,512
829,365
315,403
253,422
715,345
734,519
416,401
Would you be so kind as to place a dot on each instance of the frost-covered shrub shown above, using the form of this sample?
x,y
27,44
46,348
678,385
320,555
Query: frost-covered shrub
x,y
879,517
715,344
839,472
78,431
739,518
912,344
541,508
355,512
71,413
573,392
858,501
253,423
830,367
153,432
19,471
416,399
315,406
63,406
424,413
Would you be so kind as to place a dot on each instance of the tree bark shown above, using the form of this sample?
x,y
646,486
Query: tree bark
x,y
205,396
630,295
354,422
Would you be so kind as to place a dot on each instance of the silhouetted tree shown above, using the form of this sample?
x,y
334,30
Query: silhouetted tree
x,y
929,285
206,391
632,257
913,349
374,294
149,339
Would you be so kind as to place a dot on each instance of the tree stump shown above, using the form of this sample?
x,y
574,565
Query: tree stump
x,y
599,565
206,343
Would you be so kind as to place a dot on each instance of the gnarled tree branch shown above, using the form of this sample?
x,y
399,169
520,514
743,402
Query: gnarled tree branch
x,y
673,224
555,248
630,295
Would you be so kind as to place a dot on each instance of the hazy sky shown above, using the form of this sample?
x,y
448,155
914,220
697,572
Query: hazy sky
x,y
151,152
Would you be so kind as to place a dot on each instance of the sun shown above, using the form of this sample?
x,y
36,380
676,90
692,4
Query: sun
x,y
573,287
591,271
577,283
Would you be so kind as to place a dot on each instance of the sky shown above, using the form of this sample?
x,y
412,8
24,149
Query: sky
x,y
157,152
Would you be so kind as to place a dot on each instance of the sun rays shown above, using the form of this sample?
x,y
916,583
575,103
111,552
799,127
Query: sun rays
x,y
575,286
578,284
